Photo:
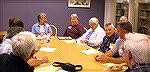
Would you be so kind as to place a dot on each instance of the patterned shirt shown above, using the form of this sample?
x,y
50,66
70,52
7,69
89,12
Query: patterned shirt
x,y
107,41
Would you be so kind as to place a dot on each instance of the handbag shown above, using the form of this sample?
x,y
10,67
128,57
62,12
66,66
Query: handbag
x,y
68,66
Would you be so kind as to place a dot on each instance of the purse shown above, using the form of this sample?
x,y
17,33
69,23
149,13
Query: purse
x,y
68,66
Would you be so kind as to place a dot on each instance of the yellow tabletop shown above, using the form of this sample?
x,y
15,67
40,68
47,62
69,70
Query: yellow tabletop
x,y
71,52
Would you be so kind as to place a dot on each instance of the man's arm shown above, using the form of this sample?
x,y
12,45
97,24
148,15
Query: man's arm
x,y
107,57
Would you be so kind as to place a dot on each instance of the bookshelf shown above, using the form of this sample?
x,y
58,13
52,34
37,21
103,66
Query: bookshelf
x,y
144,18
121,10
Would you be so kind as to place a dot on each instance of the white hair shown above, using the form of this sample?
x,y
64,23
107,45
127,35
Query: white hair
x,y
42,14
23,44
94,20
139,45
74,15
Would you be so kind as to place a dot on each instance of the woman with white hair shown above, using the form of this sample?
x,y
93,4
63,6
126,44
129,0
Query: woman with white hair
x,y
75,29
23,45
94,36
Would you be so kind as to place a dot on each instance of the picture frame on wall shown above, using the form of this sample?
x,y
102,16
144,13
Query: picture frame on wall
x,y
79,3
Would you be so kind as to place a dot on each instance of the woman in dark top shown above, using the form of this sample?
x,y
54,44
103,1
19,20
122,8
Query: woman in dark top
x,y
74,30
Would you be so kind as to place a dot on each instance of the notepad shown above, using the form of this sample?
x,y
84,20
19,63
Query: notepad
x,y
90,51
47,49
46,69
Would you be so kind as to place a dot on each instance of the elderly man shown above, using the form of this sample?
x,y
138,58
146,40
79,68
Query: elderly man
x,y
41,27
138,51
122,29
110,38
75,29
123,19
94,36
23,45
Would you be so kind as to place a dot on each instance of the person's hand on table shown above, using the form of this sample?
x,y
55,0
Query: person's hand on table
x,y
101,57
83,41
45,59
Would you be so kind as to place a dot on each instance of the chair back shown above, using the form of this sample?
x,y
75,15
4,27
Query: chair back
x,y
2,34
54,30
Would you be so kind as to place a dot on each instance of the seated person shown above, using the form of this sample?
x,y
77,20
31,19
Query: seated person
x,y
15,22
75,29
41,27
123,19
94,36
6,46
110,38
138,51
23,44
123,28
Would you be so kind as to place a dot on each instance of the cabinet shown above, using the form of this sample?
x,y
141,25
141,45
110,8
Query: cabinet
x,y
144,18
121,10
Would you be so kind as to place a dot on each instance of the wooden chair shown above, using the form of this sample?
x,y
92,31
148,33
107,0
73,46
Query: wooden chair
x,y
2,34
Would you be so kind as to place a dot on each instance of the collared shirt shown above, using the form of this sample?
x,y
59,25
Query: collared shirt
x,y
37,29
95,39
12,63
6,46
119,45
74,31
107,41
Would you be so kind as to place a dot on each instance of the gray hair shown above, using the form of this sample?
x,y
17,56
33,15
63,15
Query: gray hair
x,y
139,46
74,15
110,24
23,44
94,20
40,15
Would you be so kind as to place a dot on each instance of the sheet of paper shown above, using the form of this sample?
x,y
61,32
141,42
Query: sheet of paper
x,y
69,41
46,69
90,51
64,38
61,71
47,49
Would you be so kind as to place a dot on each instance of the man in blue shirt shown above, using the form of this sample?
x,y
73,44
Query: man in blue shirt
x,y
109,39
41,27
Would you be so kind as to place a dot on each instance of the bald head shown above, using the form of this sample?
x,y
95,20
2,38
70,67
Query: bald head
x,y
123,19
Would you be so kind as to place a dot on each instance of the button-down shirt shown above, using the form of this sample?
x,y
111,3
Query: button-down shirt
x,y
6,46
36,29
95,39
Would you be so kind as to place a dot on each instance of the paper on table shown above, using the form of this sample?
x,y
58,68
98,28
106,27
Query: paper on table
x,y
61,71
47,49
70,41
90,51
64,38
46,69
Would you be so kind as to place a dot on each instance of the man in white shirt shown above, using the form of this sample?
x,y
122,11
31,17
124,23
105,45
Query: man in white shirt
x,y
94,36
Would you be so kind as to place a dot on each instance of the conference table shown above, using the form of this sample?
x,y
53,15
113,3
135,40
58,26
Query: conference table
x,y
70,52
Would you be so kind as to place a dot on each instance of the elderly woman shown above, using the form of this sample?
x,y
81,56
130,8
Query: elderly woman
x,y
23,45
94,36
75,29
41,26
